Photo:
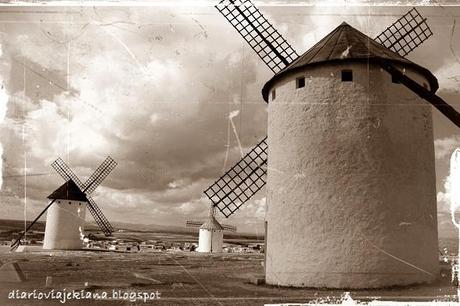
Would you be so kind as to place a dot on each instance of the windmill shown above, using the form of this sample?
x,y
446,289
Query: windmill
x,y
344,149
211,236
65,219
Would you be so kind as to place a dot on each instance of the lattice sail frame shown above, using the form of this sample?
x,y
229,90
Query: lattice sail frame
x,y
263,38
99,175
90,185
406,33
241,182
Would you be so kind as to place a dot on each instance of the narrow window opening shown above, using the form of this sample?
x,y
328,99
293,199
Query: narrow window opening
x,y
300,82
273,94
347,76
395,80
70,203
59,201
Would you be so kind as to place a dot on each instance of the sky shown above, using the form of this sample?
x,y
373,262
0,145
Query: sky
x,y
153,87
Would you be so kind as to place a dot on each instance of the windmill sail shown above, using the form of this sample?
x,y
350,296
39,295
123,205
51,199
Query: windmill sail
x,y
263,38
99,217
99,175
241,182
65,172
406,33
90,185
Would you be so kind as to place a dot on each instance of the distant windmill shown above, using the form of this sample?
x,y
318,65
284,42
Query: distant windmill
x,y
211,234
349,160
65,219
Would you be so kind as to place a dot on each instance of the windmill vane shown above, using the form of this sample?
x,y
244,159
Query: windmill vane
x,y
211,237
406,33
263,38
241,182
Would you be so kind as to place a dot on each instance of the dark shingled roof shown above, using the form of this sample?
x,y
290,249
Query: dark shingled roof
x,y
345,44
68,191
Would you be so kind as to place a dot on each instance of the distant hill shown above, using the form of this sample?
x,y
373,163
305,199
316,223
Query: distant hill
x,y
18,225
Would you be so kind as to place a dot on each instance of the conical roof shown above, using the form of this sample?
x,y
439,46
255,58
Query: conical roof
x,y
345,43
212,224
68,191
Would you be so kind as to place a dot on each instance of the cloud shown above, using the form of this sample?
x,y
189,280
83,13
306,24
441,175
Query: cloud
x,y
449,77
445,146
449,199
156,96
162,116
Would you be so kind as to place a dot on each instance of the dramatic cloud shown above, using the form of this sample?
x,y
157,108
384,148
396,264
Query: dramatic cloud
x,y
156,98
171,93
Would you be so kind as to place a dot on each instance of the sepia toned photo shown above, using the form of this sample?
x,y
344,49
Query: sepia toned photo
x,y
229,152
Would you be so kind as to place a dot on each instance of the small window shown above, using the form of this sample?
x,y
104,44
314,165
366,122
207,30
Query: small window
x,y
59,201
273,94
394,80
70,203
300,82
347,76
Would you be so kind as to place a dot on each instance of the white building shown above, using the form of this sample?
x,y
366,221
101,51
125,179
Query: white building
x,y
65,219
211,236
352,199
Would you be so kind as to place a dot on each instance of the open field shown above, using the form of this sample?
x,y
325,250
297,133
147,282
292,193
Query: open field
x,y
182,278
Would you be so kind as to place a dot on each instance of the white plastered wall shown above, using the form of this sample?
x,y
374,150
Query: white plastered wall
x,y
65,222
210,241
351,181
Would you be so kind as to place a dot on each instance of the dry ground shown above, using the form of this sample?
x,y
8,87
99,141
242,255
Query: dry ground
x,y
181,279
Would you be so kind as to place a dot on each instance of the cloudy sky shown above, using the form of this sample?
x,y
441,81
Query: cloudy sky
x,y
153,87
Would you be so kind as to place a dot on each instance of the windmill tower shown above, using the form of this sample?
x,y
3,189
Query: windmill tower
x,y
351,185
66,218
211,233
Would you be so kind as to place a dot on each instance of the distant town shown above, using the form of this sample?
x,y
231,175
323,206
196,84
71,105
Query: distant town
x,y
93,241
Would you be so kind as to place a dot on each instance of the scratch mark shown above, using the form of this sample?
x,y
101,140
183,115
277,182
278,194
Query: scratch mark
x,y
64,88
138,275
451,42
227,145
126,49
395,257
203,32
230,117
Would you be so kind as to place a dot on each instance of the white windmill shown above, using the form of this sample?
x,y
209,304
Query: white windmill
x,y
67,208
211,233
351,139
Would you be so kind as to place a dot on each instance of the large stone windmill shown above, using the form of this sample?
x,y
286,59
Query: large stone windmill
x,y
66,210
351,182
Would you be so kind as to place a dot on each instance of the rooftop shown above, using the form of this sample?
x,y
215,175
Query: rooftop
x,y
346,43
212,224
68,191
